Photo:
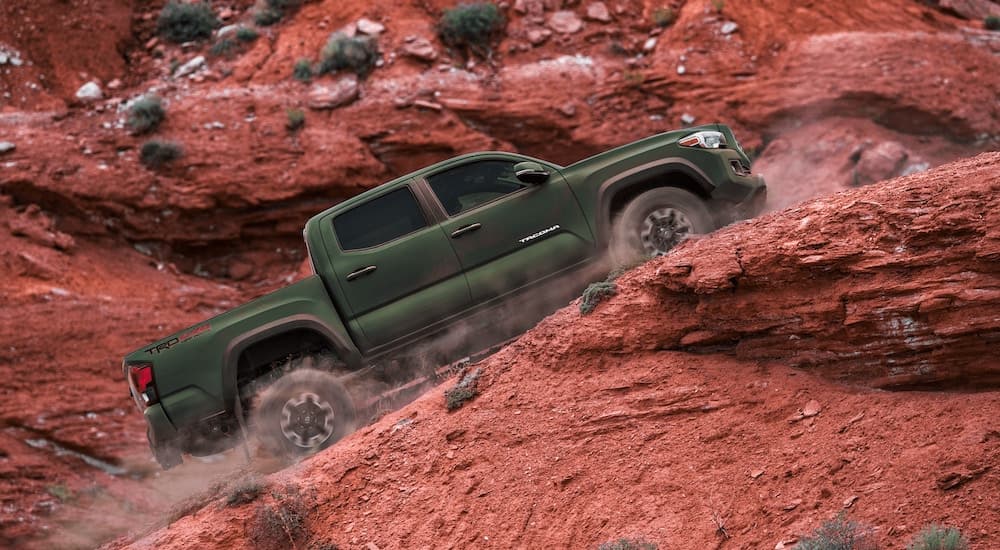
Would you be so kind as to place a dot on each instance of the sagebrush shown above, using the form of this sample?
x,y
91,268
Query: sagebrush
x,y
839,533
472,28
303,71
180,22
936,537
463,391
595,294
296,119
155,153
245,491
145,114
282,523
628,544
992,22
355,53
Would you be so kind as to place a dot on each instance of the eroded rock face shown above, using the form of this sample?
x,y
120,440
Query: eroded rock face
x,y
895,285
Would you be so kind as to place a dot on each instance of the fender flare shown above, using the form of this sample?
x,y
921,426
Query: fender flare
x,y
230,363
638,175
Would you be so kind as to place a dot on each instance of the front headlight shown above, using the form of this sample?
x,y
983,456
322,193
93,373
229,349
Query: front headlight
x,y
705,140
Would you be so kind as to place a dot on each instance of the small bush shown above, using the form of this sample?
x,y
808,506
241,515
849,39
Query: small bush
x,y
296,119
181,22
61,492
628,544
155,153
303,71
471,28
463,391
839,533
992,22
224,47
244,492
145,115
935,537
595,294
282,524
358,54
266,16
247,34
664,17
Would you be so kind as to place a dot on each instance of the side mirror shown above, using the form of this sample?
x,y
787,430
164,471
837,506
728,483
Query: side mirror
x,y
531,172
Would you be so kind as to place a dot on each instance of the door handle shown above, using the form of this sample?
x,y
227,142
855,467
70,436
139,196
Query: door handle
x,y
465,229
361,272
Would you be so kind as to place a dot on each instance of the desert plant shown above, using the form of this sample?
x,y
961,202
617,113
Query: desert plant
x,y
595,294
471,28
936,537
664,16
628,544
839,533
303,71
355,53
463,391
61,492
281,524
296,119
718,5
992,22
247,34
145,114
180,22
224,47
244,491
155,153
266,16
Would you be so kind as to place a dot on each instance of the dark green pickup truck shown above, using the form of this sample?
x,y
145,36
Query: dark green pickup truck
x,y
421,271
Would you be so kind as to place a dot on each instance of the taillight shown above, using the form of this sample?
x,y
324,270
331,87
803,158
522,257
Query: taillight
x,y
140,380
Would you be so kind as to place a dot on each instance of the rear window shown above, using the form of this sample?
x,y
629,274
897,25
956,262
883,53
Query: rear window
x,y
379,221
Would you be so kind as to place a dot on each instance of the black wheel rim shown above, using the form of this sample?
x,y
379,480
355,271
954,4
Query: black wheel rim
x,y
307,421
663,229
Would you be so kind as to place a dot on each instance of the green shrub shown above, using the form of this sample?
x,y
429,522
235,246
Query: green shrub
x,y
628,544
839,533
471,28
303,71
296,119
935,537
358,54
224,47
181,22
145,114
664,17
595,294
244,492
266,16
463,391
247,34
992,22
155,153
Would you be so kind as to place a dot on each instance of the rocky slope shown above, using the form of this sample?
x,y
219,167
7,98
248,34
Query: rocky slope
x,y
837,95
730,395
99,254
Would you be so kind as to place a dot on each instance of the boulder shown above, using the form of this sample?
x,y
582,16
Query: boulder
x,y
565,22
598,11
90,91
342,92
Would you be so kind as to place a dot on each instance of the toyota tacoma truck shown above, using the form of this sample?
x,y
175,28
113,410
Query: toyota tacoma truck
x,y
420,271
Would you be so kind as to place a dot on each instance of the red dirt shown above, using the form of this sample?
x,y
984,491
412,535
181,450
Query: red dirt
x,y
97,255
591,428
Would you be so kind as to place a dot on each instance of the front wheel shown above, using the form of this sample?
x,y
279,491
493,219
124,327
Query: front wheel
x,y
302,413
655,222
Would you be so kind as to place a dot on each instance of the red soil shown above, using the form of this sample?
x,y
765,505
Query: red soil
x,y
97,252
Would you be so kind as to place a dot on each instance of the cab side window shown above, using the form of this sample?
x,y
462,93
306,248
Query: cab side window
x,y
379,221
466,187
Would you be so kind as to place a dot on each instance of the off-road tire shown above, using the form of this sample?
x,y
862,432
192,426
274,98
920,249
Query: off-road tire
x,y
303,412
655,222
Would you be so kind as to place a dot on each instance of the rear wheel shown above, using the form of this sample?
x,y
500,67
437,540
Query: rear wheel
x,y
655,222
302,413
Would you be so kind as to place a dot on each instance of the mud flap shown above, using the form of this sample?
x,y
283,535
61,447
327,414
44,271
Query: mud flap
x,y
166,455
